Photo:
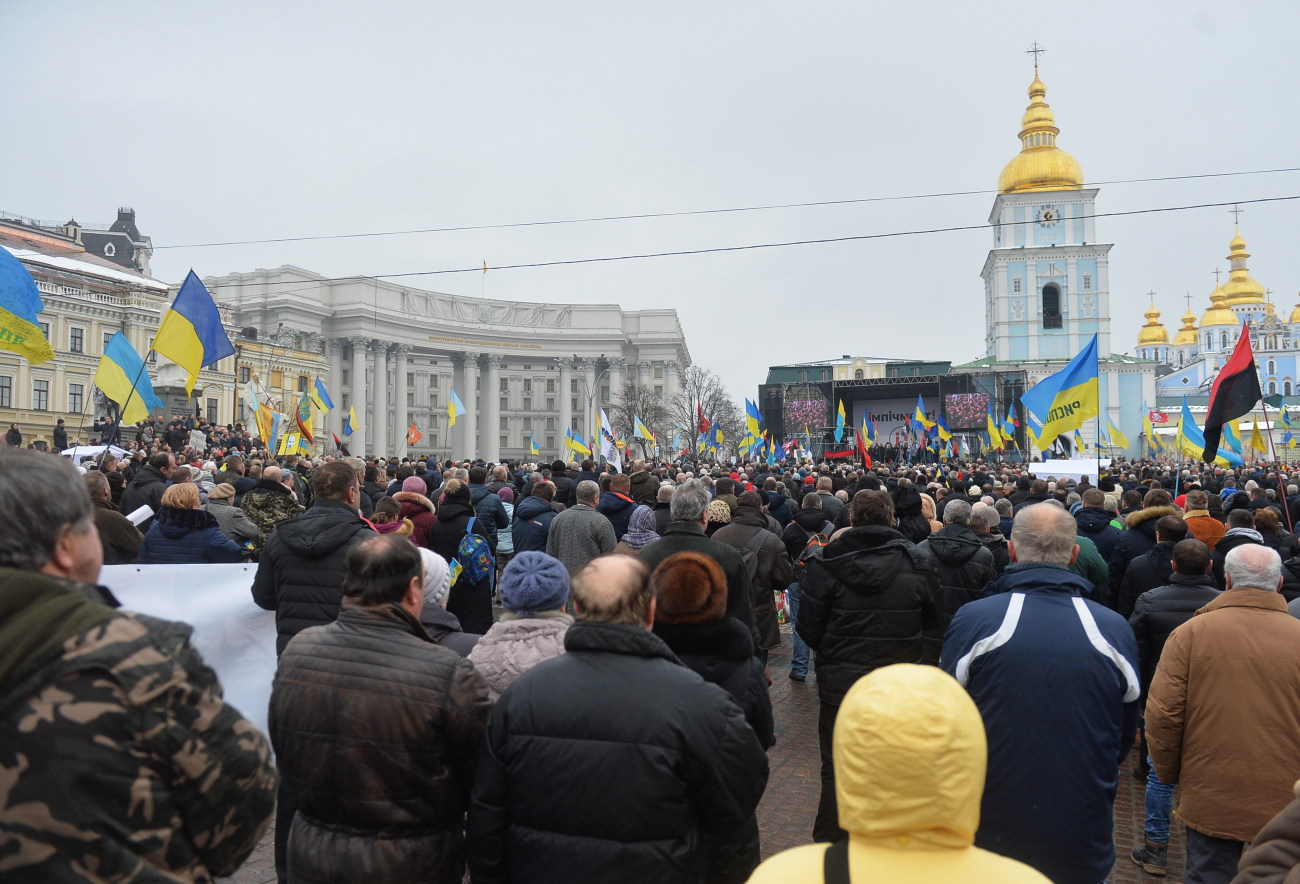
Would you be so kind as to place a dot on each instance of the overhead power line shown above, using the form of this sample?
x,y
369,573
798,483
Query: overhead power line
x,y
687,213
753,246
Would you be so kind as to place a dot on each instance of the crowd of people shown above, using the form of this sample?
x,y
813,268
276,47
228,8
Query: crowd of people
x,y
559,671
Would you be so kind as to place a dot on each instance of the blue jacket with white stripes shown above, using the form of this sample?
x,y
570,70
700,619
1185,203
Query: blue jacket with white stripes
x,y
1055,678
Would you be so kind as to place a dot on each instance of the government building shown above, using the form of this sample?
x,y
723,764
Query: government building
x,y
394,353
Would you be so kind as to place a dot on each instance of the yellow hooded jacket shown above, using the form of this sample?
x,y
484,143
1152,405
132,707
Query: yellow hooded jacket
x,y
910,757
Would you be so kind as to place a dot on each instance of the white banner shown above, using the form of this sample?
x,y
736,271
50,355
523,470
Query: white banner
x,y
1073,469
235,636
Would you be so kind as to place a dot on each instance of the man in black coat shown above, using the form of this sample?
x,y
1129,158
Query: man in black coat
x,y
1093,520
148,487
1138,536
1154,567
617,504
688,769
586,474
1241,531
564,485
300,578
60,437
866,603
964,566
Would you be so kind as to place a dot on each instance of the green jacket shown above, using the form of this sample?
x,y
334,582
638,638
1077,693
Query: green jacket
x,y
1092,567
119,759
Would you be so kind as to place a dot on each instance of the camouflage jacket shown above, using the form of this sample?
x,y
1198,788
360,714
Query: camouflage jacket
x,y
119,759
268,504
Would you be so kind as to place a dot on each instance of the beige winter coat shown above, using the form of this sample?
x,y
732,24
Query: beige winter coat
x,y
515,644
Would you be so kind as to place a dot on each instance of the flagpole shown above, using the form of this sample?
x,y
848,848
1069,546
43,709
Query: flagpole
x,y
1286,508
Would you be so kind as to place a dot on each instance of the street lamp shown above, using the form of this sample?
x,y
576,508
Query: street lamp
x,y
590,393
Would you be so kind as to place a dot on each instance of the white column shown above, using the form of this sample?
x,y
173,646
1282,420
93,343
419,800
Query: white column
x,y
333,380
671,368
379,395
469,446
456,435
617,378
357,395
402,418
491,400
565,403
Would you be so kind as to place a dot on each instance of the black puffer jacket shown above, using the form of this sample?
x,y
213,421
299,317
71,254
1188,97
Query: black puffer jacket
x,y
1094,523
723,654
806,522
300,575
145,490
1234,538
491,513
470,602
532,524
995,543
907,507
1138,536
366,815
1153,568
774,571
616,707
1158,612
965,567
865,604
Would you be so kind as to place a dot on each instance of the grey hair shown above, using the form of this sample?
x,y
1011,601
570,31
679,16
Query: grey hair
x,y
957,512
587,490
1253,565
40,496
358,465
1044,534
985,514
665,493
689,502
1003,506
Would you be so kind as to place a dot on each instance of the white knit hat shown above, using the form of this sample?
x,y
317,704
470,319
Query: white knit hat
x,y
437,578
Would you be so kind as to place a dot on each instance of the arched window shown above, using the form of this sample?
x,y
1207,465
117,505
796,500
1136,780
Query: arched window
x,y
1181,358
1272,388
1209,340
857,375
1286,388
1223,340
1051,306
109,250
1272,367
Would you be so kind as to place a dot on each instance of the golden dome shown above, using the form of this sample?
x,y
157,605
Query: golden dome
x,y
1187,334
1153,332
1218,314
1240,287
1295,315
1040,165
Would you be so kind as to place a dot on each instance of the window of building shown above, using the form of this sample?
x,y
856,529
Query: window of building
x,y
433,440
550,443
826,374
1286,388
857,374
550,423
243,410
550,385
1272,367
659,391
803,376
505,385
245,373
410,399
528,403
478,383
109,250
573,404
41,395
527,423
277,378
433,400
550,403
45,329
302,383
1015,285
6,391
77,340
1051,306
916,372
433,381
659,372
76,398
1087,282
108,336
153,354
505,403
1223,340
528,385
573,385
1272,388
604,392
212,411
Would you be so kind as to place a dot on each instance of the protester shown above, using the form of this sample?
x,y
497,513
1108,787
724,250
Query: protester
x,y
1240,532
379,777
534,592
866,603
230,519
269,502
1037,644
910,754
415,507
470,601
118,756
669,772
148,486
1231,672
442,625
580,534
1154,567
640,532
617,504
387,519
532,519
184,534
118,537
963,565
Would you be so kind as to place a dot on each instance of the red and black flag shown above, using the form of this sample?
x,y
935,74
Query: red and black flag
x,y
1235,392
704,421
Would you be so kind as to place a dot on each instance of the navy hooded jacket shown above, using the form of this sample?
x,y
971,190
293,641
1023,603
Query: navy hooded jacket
x,y
1055,679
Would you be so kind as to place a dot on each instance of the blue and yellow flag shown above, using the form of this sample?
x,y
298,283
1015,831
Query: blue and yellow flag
x,y
20,301
191,333
119,369
920,422
994,431
576,443
839,422
1063,401
455,408
321,397
350,424
640,430
718,438
1191,440
753,417
1116,437
1232,435
942,426
533,450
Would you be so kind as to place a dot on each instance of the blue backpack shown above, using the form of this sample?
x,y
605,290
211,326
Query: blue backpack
x,y
473,557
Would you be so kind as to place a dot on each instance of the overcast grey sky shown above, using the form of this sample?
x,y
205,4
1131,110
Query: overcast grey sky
x,y
251,120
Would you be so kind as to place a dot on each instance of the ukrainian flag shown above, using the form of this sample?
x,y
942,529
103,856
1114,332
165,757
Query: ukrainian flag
x,y
532,446
1191,440
120,369
350,424
640,430
455,408
995,433
839,423
20,301
321,397
753,417
191,334
1066,399
944,433
577,444
1116,437
919,421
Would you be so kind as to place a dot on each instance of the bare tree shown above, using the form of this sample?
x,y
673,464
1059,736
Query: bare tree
x,y
639,401
700,390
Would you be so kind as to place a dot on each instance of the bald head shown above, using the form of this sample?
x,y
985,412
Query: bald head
x,y
1045,534
1253,566
614,589
272,473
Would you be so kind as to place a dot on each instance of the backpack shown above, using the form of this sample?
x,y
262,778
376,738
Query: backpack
x,y
473,557
813,549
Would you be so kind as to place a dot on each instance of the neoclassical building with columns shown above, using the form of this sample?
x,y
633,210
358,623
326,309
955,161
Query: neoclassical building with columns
x,y
521,369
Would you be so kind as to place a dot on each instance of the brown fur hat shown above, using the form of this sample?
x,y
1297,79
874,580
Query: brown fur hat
x,y
690,590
